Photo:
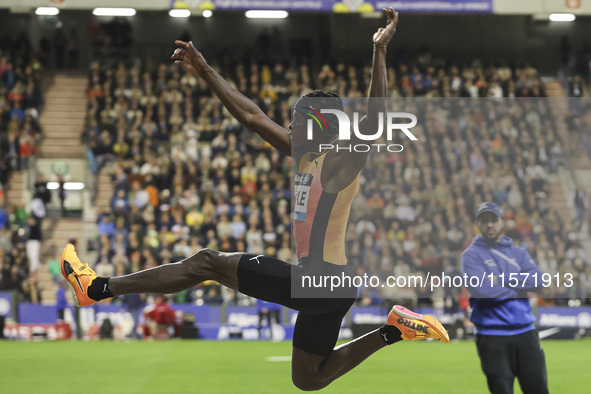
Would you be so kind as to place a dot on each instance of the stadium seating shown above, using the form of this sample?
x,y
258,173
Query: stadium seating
x,y
20,133
187,176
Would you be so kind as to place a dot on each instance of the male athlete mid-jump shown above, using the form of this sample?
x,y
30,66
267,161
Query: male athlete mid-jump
x,y
331,179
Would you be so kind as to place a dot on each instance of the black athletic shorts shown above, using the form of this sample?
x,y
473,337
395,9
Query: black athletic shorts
x,y
320,314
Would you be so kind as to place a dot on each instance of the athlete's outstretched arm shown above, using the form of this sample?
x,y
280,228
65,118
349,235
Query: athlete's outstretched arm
x,y
240,106
378,88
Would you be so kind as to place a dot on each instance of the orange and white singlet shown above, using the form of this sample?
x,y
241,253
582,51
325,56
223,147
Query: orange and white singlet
x,y
320,218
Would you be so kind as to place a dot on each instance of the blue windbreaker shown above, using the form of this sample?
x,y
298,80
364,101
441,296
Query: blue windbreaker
x,y
496,309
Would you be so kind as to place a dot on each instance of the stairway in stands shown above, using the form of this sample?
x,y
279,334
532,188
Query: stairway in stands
x,y
579,159
105,190
63,116
17,190
580,164
558,199
62,120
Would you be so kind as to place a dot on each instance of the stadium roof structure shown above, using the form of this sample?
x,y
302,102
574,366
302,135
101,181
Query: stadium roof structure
x,y
524,7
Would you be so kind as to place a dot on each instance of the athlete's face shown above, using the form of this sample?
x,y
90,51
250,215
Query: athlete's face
x,y
490,226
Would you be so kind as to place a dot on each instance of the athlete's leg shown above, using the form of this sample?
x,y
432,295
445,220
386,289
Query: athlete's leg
x,y
315,364
313,372
207,264
258,276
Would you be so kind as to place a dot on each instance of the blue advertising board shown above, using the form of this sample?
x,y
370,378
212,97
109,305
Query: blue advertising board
x,y
203,314
6,304
368,315
242,322
566,317
343,6
36,313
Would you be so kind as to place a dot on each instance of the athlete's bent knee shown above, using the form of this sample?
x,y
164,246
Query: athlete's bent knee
x,y
201,263
308,383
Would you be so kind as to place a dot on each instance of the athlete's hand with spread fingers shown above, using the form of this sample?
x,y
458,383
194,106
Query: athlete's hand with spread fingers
x,y
382,37
189,57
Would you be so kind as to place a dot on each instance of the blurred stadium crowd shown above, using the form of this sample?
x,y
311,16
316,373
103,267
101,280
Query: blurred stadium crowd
x,y
187,175
20,134
20,102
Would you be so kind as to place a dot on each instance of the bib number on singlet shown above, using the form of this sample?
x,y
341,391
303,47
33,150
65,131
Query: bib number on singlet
x,y
302,183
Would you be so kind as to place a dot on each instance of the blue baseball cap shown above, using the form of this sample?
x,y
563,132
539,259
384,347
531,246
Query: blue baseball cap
x,y
488,207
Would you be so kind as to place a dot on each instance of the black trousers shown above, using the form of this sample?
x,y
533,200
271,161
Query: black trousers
x,y
504,358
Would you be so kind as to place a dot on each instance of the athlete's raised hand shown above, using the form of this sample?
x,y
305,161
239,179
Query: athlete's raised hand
x,y
189,57
382,37
240,106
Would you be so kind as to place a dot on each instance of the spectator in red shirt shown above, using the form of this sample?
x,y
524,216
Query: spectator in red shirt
x,y
159,317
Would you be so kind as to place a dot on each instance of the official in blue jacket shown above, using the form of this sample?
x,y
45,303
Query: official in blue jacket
x,y
499,275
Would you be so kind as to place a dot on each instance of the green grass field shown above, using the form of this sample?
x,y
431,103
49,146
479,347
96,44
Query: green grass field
x,y
242,367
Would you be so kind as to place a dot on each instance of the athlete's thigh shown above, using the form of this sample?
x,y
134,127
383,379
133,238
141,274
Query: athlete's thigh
x,y
265,278
305,365
314,338
318,333
271,279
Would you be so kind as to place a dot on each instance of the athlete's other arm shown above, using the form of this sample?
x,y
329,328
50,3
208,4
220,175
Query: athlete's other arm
x,y
378,88
240,106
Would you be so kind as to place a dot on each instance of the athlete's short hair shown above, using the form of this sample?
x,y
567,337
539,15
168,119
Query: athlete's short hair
x,y
320,99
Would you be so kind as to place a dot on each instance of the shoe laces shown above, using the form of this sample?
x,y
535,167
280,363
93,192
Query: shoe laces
x,y
85,270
